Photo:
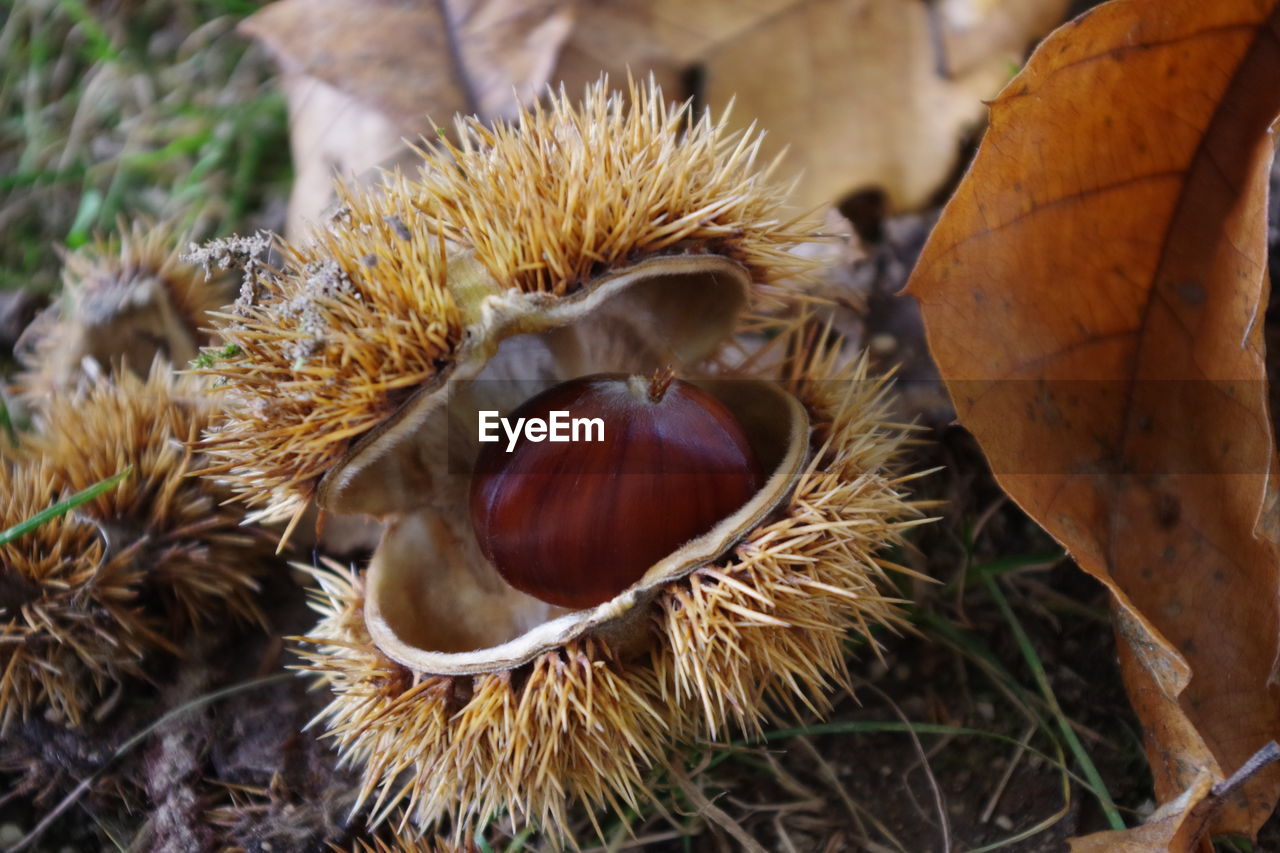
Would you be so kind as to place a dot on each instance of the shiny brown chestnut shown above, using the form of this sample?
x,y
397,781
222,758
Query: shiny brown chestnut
x,y
574,523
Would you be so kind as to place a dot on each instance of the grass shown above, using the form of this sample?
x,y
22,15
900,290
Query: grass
x,y
1095,783
7,425
63,507
114,110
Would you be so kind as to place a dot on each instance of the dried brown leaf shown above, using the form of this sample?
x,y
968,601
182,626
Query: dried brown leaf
x,y
1092,295
860,92
1176,827
363,75
863,92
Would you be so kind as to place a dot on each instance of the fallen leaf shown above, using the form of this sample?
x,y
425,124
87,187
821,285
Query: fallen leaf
x,y
860,92
1175,827
508,49
362,76
359,76
863,92
1179,825
1093,295
972,31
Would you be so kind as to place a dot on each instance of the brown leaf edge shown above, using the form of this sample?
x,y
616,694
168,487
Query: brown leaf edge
x,y
1179,825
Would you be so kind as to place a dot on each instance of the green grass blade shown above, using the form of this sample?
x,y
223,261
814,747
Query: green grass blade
x,y
520,841
980,655
864,727
1029,832
899,727
86,217
100,48
1007,565
6,423
62,507
1077,749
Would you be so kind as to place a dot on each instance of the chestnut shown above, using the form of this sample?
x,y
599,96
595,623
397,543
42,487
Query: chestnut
x,y
575,522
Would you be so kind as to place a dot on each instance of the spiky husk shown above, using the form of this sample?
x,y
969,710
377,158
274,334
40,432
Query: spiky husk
x,y
69,616
90,594
332,343
331,347
103,282
731,645
585,187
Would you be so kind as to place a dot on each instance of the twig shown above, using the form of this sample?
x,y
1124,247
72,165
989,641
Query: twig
x,y
1008,774
1260,760
855,811
943,819
714,813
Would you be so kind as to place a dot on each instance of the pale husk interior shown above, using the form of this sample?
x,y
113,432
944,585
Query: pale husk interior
x,y
435,603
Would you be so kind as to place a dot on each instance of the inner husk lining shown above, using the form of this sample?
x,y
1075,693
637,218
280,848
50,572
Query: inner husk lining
x,y
434,603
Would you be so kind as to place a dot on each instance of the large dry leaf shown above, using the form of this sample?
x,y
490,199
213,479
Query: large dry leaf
x,y
362,76
860,92
863,92
1093,297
